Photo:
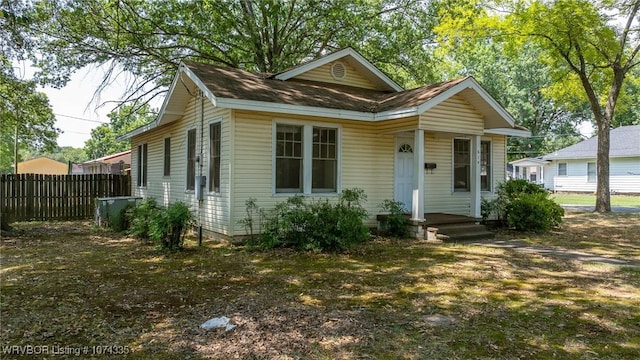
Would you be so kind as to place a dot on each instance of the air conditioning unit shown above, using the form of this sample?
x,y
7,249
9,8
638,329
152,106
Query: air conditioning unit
x,y
108,209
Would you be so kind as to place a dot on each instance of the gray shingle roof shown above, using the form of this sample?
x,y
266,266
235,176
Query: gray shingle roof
x,y
625,142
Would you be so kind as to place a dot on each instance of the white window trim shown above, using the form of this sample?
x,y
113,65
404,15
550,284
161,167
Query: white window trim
x,y
307,156
211,122
186,157
453,168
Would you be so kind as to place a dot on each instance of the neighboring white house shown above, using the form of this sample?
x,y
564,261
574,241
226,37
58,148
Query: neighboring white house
x,y
530,169
573,168
225,135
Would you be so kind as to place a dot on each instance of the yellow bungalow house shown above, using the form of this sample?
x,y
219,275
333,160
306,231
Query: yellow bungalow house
x,y
333,123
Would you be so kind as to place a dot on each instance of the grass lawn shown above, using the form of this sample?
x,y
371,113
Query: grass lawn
x,y
71,285
587,199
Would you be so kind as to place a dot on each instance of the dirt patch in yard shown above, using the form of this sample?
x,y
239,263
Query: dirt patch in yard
x,y
69,284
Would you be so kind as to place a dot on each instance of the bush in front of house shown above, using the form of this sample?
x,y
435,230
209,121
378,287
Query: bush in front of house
x,y
316,225
534,212
394,224
165,226
522,205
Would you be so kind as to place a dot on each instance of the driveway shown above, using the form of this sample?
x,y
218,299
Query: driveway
x,y
589,208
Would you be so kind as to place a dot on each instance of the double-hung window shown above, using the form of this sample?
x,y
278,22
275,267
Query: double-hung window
x,y
191,159
562,169
214,156
461,165
167,157
306,159
142,165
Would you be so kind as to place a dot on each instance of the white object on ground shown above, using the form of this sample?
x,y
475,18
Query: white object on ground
x,y
219,322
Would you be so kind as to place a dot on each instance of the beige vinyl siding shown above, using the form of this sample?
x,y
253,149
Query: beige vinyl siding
x,y
323,74
453,115
439,195
397,125
366,161
213,211
498,164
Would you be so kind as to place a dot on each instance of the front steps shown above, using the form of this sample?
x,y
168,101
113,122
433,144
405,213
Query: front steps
x,y
439,227
455,228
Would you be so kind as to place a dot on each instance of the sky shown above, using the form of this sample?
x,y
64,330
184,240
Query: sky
x,y
74,107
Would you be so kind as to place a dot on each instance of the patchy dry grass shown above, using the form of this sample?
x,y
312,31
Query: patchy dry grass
x,y
67,284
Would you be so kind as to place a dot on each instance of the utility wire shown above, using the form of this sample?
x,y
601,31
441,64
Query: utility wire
x,y
83,119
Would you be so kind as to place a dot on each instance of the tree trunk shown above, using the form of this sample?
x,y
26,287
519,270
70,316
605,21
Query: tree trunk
x,y
603,197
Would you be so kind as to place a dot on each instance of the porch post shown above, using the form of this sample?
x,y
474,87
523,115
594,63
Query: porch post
x,y
475,177
541,180
417,210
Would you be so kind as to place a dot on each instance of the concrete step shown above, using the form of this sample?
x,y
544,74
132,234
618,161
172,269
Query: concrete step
x,y
462,232
471,236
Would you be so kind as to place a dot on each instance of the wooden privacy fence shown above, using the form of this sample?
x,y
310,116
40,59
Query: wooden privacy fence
x,y
26,197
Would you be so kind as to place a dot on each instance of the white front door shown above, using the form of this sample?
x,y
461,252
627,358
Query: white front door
x,y
404,172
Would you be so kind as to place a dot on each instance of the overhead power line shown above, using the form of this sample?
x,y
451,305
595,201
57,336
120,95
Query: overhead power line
x,y
83,119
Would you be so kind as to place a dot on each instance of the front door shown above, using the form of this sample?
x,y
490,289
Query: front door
x,y
404,172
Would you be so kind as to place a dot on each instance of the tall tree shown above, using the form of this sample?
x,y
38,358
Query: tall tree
x,y
149,39
124,119
519,82
591,46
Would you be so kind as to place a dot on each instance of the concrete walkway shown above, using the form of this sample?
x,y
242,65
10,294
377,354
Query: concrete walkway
x,y
562,253
591,208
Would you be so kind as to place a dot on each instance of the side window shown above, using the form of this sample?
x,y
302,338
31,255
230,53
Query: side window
x,y
191,159
167,157
142,165
214,156
324,175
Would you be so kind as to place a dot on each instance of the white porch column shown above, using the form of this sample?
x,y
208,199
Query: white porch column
x,y
541,180
417,210
475,177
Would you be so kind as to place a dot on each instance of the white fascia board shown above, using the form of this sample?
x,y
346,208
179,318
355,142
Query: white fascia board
x,y
336,56
509,132
196,80
294,109
396,114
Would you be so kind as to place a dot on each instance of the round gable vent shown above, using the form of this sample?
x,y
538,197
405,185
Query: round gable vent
x,y
338,71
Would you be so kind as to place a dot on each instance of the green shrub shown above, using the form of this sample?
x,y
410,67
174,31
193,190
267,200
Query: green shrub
x,y
394,224
140,218
521,204
317,226
534,212
167,227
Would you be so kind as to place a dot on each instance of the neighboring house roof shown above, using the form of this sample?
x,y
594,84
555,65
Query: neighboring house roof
x,y
624,142
284,93
43,165
529,162
124,156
